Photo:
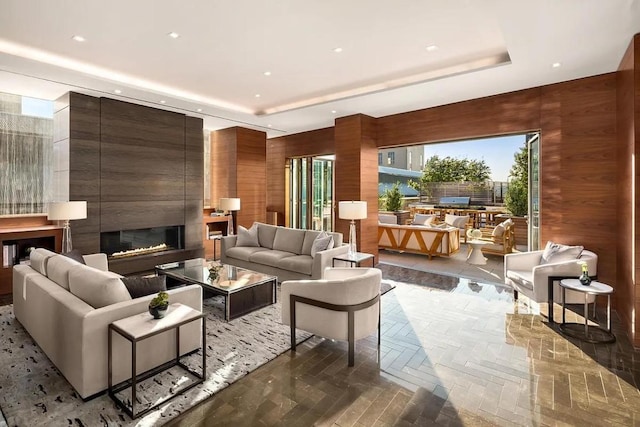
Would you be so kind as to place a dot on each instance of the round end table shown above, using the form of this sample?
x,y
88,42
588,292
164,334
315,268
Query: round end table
x,y
594,333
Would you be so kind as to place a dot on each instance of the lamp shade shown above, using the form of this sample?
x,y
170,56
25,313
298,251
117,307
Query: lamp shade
x,y
63,211
352,210
229,204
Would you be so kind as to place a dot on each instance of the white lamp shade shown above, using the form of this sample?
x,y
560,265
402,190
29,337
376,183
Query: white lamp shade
x,y
63,211
352,210
229,204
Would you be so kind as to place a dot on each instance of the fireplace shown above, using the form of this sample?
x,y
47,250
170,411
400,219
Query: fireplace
x,y
129,243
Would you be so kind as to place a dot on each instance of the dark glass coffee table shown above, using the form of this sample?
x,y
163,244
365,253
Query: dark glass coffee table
x,y
243,290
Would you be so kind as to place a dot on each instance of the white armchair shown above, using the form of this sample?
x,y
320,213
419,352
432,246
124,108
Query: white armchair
x,y
524,273
344,305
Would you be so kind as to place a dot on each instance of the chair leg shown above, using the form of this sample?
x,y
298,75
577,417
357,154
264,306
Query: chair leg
x,y
292,320
515,295
351,337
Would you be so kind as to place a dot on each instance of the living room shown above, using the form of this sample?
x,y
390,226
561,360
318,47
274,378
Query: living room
x,y
137,161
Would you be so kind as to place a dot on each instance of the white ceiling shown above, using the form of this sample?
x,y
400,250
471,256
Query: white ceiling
x,y
218,63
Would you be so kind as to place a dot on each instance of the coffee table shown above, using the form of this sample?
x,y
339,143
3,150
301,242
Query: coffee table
x,y
243,290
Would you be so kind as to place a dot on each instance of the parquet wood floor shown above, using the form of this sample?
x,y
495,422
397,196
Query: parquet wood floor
x,y
453,353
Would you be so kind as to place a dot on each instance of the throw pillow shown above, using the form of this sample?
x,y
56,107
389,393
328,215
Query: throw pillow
x,y
555,252
141,286
97,288
75,255
498,231
322,242
423,219
456,221
248,237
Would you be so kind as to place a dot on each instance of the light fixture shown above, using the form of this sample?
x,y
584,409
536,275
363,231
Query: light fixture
x,y
267,73
162,101
257,95
199,110
432,48
78,38
268,126
230,205
556,65
173,35
337,50
118,91
333,111
352,210
66,211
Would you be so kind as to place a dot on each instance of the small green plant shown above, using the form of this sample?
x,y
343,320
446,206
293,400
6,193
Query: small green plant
x,y
160,300
393,198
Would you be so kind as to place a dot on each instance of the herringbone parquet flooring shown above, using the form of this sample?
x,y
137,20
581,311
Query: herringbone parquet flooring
x,y
453,353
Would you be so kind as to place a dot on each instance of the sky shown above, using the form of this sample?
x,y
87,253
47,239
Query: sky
x,y
497,153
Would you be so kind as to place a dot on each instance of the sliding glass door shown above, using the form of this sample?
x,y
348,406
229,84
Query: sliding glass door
x,y
310,193
533,147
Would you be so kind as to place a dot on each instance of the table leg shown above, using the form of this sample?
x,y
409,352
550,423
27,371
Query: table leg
x,y
204,347
550,296
586,314
133,379
608,312
563,305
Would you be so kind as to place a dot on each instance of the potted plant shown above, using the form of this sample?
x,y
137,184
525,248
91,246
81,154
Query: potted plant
x,y
159,305
393,201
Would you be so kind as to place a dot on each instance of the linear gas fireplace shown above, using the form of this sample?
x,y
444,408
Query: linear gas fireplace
x,y
129,243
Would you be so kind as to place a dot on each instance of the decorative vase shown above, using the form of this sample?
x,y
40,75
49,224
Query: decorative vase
x,y
159,311
585,279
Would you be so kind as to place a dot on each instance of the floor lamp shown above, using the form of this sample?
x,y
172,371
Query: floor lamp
x,y
230,205
352,210
66,211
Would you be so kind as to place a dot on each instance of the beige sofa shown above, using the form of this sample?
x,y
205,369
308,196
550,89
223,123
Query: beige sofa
x,y
282,252
73,334
430,241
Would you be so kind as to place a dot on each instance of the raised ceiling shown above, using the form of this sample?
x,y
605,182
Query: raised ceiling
x,y
325,59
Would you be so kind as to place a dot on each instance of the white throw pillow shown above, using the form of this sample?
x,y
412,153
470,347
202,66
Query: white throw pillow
x,y
322,242
423,219
456,221
248,237
39,258
387,219
97,288
498,231
555,252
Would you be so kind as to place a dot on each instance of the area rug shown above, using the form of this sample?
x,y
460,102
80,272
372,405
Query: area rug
x,y
34,393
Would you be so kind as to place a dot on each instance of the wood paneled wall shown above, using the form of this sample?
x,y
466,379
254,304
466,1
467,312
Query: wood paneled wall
x,y
628,148
313,143
194,182
356,176
239,169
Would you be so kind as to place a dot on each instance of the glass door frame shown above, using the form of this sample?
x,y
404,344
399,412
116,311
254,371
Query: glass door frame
x,y
533,191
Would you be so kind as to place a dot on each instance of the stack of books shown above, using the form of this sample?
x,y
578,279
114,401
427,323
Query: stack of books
x,y
9,254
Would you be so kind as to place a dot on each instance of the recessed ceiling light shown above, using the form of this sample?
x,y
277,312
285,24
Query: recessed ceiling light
x,y
431,48
78,38
267,73
162,101
257,95
199,110
556,65
268,126
173,35
118,91
337,50
333,111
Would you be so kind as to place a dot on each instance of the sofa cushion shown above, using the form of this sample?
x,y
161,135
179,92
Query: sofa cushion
x,y
302,264
58,269
97,288
422,219
456,220
289,240
321,243
75,255
248,237
387,219
555,252
266,235
243,253
270,258
142,286
39,258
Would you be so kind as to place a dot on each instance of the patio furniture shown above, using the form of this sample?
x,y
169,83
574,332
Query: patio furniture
x,y
500,240
442,240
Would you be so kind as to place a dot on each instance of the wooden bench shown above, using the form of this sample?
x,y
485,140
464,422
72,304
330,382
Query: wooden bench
x,y
417,239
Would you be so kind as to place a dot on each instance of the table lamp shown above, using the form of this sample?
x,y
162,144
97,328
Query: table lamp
x,y
66,211
352,210
230,205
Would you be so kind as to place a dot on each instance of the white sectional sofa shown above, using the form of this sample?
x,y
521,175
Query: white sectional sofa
x,y
282,252
73,334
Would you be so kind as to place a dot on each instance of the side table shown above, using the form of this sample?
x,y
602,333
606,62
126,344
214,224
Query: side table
x,y
142,326
356,259
591,334
475,256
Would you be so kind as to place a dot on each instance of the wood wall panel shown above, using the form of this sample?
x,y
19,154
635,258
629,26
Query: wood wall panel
x,y
194,184
84,168
313,143
223,164
251,176
132,215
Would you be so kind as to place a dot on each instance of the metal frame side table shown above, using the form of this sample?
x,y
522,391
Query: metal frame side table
x,y
142,326
356,259
593,334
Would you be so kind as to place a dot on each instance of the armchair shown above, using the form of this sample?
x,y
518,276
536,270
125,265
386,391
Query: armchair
x,y
501,238
525,274
344,305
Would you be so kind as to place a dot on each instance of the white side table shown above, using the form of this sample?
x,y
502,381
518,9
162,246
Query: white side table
x,y
475,256
592,334
142,326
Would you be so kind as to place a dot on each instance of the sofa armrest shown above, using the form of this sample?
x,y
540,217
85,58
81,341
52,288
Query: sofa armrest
x,y
225,243
324,258
522,260
98,261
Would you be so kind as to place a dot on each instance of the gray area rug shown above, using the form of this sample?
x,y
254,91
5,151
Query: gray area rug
x,y
34,393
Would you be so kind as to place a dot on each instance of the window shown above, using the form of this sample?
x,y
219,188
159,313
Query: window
x,y
391,158
379,158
